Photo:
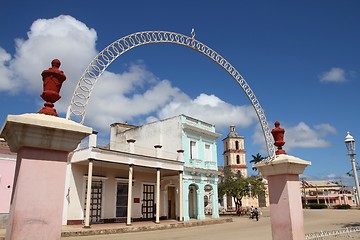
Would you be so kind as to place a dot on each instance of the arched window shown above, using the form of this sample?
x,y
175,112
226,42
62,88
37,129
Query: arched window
x,y
237,159
237,145
227,160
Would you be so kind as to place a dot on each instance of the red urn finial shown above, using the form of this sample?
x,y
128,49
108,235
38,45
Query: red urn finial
x,y
278,134
53,79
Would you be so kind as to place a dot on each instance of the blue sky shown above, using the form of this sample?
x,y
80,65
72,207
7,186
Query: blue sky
x,y
301,58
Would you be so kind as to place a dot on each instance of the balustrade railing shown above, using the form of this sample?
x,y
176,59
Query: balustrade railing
x,y
343,233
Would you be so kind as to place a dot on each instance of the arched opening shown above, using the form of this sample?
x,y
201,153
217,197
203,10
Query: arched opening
x,y
237,145
237,159
208,199
193,209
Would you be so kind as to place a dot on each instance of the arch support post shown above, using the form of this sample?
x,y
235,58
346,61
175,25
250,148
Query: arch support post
x,y
42,144
286,213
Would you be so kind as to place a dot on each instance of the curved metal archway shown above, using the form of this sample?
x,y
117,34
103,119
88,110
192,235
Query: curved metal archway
x,y
80,99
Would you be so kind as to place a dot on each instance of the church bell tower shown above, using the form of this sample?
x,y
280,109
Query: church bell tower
x,y
234,152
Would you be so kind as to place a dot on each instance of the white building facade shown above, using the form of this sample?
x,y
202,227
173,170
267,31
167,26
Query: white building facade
x,y
161,170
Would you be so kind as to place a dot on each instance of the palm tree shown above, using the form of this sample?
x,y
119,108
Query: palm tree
x,y
256,159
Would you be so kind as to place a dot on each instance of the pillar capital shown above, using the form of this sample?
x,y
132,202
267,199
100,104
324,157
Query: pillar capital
x,y
283,164
43,131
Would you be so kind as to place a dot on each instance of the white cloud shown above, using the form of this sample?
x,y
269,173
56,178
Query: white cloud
x,y
333,75
6,78
62,37
135,95
304,136
212,110
300,136
324,129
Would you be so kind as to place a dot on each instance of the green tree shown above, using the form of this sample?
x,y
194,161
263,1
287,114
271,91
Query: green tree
x,y
237,186
256,159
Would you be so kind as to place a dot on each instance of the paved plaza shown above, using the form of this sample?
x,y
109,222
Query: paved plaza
x,y
238,228
242,227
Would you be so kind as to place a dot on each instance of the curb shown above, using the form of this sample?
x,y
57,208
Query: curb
x,y
127,229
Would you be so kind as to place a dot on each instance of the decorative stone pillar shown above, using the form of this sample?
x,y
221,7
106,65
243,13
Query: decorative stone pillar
x,y
42,143
282,173
286,213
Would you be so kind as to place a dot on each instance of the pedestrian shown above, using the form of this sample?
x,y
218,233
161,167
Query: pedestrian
x,y
239,211
257,213
252,212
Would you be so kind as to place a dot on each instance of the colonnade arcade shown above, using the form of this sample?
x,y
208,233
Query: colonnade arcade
x,y
143,187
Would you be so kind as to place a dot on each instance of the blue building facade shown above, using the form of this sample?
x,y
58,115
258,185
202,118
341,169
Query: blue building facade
x,y
200,177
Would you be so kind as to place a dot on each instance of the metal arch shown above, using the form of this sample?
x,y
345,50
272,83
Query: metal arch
x,y
98,65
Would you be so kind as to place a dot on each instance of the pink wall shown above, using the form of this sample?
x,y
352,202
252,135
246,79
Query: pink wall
x,y
7,169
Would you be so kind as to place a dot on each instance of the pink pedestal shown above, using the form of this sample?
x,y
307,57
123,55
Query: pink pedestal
x,y
42,144
36,209
286,213
287,220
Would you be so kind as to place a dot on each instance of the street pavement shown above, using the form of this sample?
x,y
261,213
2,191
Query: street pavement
x,y
315,220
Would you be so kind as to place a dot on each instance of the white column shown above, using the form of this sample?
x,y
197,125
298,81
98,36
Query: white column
x,y
181,198
129,204
157,220
181,187
88,194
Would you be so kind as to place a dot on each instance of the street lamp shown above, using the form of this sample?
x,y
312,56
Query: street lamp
x,y
350,145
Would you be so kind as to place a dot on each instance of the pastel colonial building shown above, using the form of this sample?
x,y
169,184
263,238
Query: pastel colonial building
x,y
161,170
200,168
326,192
7,169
